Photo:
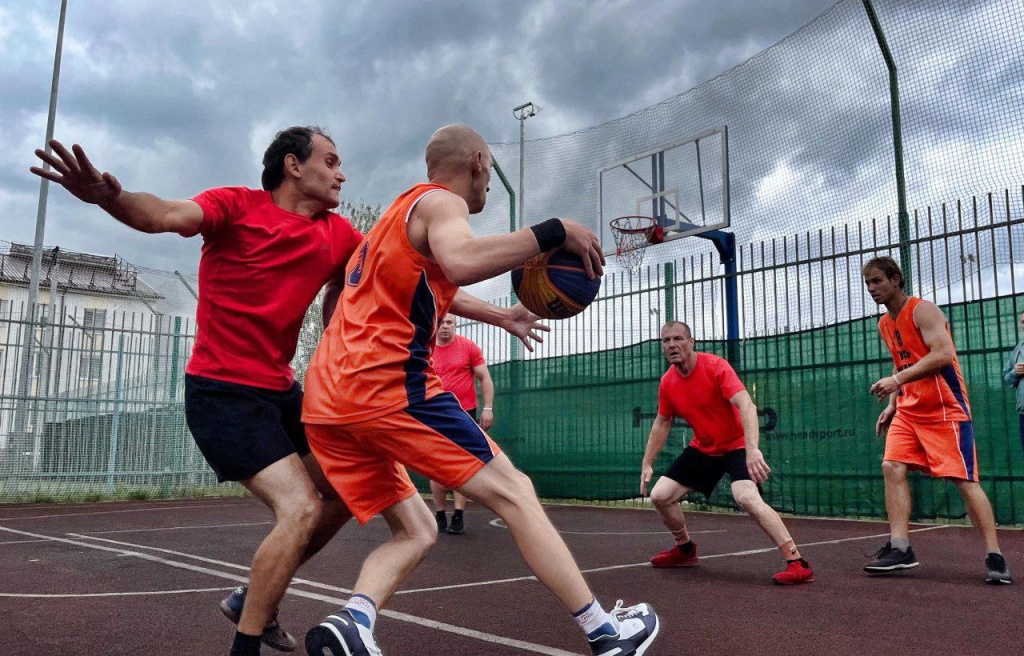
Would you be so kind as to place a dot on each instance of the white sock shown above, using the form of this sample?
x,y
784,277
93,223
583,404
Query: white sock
x,y
595,621
363,610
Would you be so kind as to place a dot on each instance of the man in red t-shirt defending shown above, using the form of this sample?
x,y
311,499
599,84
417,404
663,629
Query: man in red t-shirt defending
x,y
704,391
460,363
266,255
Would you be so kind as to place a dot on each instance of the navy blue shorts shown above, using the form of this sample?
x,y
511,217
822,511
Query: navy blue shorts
x,y
701,472
242,430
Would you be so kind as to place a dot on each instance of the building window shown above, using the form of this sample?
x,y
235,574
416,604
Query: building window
x,y
90,366
5,309
90,362
94,319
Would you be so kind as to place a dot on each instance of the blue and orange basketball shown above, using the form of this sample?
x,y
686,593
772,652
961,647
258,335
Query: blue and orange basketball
x,y
554,285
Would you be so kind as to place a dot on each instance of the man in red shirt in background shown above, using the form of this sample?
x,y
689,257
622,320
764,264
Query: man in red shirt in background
x,y
266,255
704,391
460,363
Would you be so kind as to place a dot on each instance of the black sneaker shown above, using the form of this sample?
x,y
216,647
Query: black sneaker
x,y
442,521
457,527
341,635
890,559
998,572
273,635
638,626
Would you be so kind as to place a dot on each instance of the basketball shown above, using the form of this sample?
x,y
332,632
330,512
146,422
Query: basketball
x,y
554,285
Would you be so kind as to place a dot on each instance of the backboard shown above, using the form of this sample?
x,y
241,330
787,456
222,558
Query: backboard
x,y
684,185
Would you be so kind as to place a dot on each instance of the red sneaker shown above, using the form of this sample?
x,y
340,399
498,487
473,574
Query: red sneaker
x,y
675,558
796,572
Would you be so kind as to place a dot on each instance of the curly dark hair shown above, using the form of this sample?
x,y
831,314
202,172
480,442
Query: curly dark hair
x,y
296,140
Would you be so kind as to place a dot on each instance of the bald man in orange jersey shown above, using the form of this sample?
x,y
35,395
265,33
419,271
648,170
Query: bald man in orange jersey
x,y
374,403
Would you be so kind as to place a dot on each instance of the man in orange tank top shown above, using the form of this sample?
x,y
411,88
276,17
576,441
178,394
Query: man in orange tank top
x,y
927,422
374,404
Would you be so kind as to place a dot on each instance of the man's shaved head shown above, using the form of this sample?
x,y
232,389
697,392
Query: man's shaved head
x,y
452,147
459,159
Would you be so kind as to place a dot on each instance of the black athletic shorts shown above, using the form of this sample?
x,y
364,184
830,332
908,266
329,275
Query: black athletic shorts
x,y
702,472
242,430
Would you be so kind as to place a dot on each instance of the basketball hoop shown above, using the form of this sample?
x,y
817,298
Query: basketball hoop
x,y
633,234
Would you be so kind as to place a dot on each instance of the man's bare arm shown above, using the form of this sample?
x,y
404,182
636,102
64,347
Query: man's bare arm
x,y
142,211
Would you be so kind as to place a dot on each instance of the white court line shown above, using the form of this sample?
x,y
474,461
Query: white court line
x,y
752,552
116,512
500,523
412,619
23,541
211,561
647,563
111,594
170,528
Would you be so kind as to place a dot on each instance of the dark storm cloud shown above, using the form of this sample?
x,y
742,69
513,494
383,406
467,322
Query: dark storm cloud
x,y
177,97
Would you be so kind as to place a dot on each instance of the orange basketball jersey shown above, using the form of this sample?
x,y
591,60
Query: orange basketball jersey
x,y
374,358
939,397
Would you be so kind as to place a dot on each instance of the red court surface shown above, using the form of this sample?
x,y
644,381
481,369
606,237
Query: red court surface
x,y
146,578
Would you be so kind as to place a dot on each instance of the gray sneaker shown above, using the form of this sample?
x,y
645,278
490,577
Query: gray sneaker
x,y
998,572
273,635
889,559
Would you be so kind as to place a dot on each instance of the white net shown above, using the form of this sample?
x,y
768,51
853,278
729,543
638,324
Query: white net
x,y
632,236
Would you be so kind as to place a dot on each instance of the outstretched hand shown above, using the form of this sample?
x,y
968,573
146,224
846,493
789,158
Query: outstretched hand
x,y
73,171
525,325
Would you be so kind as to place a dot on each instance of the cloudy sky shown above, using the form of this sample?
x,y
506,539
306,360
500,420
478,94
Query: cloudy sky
x,y
176,97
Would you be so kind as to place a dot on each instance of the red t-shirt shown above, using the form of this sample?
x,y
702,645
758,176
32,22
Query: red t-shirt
x,y
260,269
454,364
701,399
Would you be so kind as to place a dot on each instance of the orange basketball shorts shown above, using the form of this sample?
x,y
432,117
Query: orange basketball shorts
x,y
942,449
366,462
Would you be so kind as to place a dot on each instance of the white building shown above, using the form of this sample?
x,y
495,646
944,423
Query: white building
x,y
104,343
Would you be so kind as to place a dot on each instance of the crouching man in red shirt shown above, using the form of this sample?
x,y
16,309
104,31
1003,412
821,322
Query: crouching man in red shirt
x,y
704,391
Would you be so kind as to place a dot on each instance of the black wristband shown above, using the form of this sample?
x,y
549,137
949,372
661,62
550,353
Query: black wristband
x,y
550,234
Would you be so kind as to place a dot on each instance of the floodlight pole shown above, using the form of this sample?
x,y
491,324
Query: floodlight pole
x,y
29,325
523,112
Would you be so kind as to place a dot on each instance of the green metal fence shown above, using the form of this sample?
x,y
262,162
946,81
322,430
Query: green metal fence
x,y
576,414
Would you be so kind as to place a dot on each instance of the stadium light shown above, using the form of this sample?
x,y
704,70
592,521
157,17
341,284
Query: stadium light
x,y
523,112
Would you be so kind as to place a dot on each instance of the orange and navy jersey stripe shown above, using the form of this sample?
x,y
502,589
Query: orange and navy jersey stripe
x,y
939,397
374,358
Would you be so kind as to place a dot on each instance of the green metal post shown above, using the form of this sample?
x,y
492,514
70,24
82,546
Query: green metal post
x,y
172,392
669,307
897,138
115,420
514,353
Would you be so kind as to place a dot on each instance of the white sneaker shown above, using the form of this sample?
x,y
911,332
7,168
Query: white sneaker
x,y
638,626
341,635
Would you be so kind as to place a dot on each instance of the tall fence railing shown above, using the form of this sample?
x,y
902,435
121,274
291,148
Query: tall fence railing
x,y
576,413
104,412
